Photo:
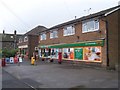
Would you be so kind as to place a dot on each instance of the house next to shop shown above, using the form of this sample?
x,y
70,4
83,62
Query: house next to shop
x,y
29,41
90,40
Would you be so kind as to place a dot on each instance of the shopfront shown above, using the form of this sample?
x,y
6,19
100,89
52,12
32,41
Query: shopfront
x,y
90,51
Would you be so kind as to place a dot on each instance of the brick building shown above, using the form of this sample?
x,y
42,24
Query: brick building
x,y
29,41
91,39
9,41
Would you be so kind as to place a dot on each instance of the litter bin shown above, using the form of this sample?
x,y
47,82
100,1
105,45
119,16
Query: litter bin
x,y
11,60
3,62
7,60
32,61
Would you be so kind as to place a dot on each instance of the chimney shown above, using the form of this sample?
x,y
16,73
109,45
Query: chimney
x,y
15,32
3,31
118,3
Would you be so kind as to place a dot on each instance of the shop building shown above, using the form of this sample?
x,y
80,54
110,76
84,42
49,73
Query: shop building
x,y
29,41
92,39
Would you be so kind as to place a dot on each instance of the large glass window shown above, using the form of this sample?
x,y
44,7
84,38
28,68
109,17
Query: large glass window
x,y
92,53
43,36
69,30
54,34
68,53
88,26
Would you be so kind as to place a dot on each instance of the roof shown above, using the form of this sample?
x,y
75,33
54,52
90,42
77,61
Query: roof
x,y
36,30
101,13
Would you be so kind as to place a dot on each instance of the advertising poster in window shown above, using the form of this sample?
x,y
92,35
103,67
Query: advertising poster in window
x,y
54,53
78,53
68,53
92,53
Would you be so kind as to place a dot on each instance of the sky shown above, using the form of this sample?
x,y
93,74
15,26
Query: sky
x,y
24,15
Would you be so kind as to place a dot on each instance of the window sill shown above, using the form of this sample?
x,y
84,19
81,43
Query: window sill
x,y
91,31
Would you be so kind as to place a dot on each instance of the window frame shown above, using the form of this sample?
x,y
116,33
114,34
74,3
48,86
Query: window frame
x,y
42,36
85,26
25,38
20,40
67,32
53,34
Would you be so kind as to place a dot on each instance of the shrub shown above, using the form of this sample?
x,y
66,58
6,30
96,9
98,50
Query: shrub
x,y
9,53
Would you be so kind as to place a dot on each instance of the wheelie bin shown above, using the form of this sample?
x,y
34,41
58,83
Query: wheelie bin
x,y
7,60
11,60
15,60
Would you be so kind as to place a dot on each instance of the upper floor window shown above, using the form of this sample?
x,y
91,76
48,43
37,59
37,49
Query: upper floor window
x,y
25,39
43,36
54,34
69,30
20,40
88,26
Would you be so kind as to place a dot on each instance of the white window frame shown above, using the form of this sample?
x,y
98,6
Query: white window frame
x,y
69,30
43,36
53,34
25,39
85,26
20,40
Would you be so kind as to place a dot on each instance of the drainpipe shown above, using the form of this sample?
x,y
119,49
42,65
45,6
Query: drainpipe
x,y
107,45
107,40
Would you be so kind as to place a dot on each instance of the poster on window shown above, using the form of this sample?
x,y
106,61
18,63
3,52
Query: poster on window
x,y
54,53
78,53
68,53
92,53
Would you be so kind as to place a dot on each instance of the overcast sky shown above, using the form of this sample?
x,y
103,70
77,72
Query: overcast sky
x,y
23,15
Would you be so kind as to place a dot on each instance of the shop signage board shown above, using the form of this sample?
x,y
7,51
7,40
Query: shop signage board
x,y
80,44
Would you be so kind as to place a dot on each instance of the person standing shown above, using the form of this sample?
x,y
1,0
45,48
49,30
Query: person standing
x,y
19,60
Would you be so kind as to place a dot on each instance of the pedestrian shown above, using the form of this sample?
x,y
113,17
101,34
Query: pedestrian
x,y
35,57
19,60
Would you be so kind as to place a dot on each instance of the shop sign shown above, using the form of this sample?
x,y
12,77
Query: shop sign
x,y
80,44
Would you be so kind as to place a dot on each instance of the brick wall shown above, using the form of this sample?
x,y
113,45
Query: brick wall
x,y
113,39
32,43
89,36
73,38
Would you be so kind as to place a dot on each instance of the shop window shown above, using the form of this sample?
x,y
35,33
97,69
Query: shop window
x,y
54,53
69,30
92,53
88,26
68,53
54,34
43,36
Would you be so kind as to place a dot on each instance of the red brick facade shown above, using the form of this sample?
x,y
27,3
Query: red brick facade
x,y
91,36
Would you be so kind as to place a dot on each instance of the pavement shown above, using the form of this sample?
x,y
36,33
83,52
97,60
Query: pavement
x,y
53,75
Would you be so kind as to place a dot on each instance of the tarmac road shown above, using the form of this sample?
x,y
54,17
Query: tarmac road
x,y
9,81
53,75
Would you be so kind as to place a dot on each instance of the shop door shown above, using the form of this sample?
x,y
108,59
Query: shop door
x,y
78,53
